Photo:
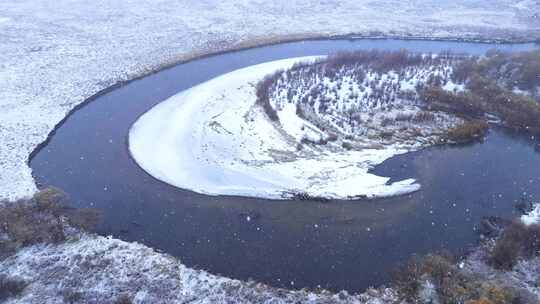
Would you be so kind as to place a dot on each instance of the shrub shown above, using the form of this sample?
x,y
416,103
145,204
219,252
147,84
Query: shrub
x,y
408,279
424,116
479,301
123,299
385,135
85,218
347,145
463,103
403,117
505,254
452,285
468,131
40,219
25,224
418,267
517,241
71,296
387,121
10,287
263,90
50,199
304,196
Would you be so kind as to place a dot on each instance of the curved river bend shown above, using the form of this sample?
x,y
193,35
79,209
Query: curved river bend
x,y
294,244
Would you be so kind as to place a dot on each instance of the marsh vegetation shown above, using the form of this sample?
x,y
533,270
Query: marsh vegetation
x,y
396,95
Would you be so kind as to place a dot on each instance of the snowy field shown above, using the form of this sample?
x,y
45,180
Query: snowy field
x,y
214,139
53,56
95,269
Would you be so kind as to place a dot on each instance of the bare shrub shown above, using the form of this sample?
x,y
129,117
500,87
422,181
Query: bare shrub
x,y
25,224
85,218
385,135
463,103
387,121
123,299
452,285
423,116
41,219
71,296
479,301
10,287
347,145
468,131
380,61
517,241
263,90
505,254
50,199
403,117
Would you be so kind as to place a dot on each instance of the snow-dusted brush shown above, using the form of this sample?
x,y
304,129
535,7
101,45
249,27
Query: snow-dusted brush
x,y
361,100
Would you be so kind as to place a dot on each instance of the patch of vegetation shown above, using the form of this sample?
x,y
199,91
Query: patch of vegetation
x,y
356,63
303,196
123,299
10,287
451,284
263,92
42,219
468,131
500,84
516,242
347,145
463,103
506,85
71,296
423,116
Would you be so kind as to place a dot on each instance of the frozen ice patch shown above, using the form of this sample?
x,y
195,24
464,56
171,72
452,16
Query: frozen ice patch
x,y
533,217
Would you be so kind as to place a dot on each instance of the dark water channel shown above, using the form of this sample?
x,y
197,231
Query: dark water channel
x,y
335,245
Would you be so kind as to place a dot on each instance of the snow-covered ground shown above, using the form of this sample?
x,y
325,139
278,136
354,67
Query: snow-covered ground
x,y
533,217
53,56
95,269
214,139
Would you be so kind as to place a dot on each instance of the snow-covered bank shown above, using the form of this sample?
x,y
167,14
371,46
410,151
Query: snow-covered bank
x,y
53,57
95,269
213,139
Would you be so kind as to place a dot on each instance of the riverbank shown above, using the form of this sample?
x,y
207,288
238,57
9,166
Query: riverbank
x,y
67,264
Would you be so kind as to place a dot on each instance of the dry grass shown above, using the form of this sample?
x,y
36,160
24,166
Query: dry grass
x,y
452,284
41,219
468,131
516,242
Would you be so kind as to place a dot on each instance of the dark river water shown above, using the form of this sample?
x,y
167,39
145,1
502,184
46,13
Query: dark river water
x,y
335,245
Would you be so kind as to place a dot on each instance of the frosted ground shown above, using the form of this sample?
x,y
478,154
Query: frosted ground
x,y
53,56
